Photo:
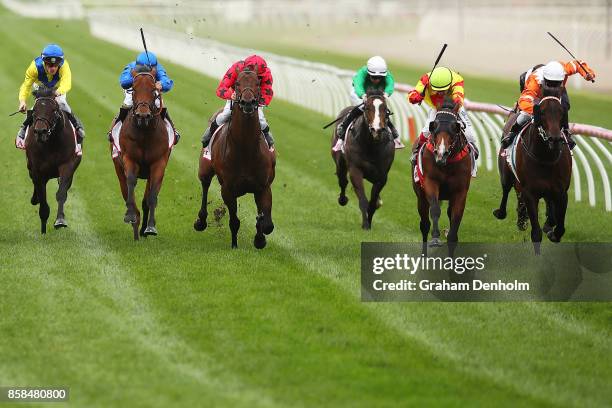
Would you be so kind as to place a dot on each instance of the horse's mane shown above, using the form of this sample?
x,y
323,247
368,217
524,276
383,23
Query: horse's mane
x,y
551,91
43,92
142,68
375,92
448,103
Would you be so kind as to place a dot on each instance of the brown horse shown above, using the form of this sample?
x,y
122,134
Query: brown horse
x,y
144,151
51,153
543,166
368,153
242,162
446,168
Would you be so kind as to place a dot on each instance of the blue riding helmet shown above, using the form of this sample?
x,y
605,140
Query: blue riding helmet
x,y
142,59
52,53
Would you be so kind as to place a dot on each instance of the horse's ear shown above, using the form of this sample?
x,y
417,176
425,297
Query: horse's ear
x,y
456,108
432,126
133,72
537,113
154,71
457,127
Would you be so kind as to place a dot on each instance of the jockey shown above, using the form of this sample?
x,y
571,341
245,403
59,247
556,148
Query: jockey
x,y
554,75
435,86
163,84
225,90
51,70
372,75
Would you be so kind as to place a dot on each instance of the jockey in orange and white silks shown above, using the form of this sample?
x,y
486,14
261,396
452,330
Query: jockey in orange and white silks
x,y
433,88
554,74
372,75
226,91
51,70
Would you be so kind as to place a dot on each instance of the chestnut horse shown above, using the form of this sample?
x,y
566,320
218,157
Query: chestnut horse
x,y
368,153
446,168
144,151
242,162
51,153
544,170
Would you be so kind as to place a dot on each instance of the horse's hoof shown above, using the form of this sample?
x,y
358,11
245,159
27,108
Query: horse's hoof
x,y
499,214
199,225
379,203
150,231
521,225
552,237
342,200
129,219
366,227
435,242
268,229
60,223
34,200
260,241
546,229
234,246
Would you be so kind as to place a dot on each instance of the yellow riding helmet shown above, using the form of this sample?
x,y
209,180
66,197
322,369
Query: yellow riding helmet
x,y
440,79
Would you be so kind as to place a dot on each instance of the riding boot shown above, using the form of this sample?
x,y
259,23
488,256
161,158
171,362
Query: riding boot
x,y
27,122
396,139
78,126
341,130
416,147
209,132
511,135
268,135
566,130
123,112
177,135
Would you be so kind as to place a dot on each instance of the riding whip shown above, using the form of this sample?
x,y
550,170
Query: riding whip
x,y
435,65
569,52
145,45
341,117
14,113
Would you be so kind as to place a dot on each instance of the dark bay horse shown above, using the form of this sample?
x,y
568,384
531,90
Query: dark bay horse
x,y
51,153
543,165
144,151
242,162
368,153
446,166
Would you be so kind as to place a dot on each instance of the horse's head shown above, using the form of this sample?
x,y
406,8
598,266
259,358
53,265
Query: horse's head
x,y
375,111
247,90
144,95
445,132
45,113
547,117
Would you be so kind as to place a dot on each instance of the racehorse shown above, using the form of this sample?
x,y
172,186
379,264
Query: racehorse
x,y
242,162
51,153
446,175
543,166
368,153
144,151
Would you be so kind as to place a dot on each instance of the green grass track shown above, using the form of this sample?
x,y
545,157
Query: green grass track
x,y
182,320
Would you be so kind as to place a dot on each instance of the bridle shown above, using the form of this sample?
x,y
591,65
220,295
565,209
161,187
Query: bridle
x,y
56,115
365,114
455,138
156,95
250,107
544,136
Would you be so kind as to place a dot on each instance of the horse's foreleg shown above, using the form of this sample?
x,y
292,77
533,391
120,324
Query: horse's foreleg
x,y
560,208
521,212
357,182
232,206
206,174
374,196
532,210
156,177
550,215
507,181
264,224
145,208
40,185
425,224
341,173
456,206
66,173
132,215
432,193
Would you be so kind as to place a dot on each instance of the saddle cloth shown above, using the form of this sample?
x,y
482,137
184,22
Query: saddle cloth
x,y
207,153
117,130
419,175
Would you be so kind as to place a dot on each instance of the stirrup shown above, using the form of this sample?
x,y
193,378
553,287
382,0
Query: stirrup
x,y
398,144
339,146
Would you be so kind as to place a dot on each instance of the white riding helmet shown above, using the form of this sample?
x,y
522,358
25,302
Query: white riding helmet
x,y
554,71
377,66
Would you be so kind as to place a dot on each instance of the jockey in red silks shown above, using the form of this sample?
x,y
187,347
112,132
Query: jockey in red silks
x,y
226,91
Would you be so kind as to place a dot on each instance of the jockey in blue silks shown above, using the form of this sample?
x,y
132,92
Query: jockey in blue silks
x,y
163,84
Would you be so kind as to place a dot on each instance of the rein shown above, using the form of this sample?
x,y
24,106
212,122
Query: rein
x,y
56,113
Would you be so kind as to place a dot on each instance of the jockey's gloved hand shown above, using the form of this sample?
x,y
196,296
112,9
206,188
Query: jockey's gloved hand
x,y
415,97
23,106
364,98
158,85
587,73
386,95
